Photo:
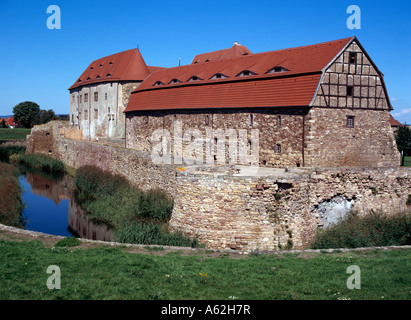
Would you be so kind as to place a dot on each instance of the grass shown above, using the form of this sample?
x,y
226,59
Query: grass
x,y
407,161
374,229
7,151
41,161
13,134
111,273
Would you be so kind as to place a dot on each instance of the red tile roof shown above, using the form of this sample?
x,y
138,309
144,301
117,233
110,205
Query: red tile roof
x,y
294,87
394,122
237,50
9,121
127,65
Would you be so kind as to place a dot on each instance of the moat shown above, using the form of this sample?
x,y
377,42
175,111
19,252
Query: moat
x,y
50,207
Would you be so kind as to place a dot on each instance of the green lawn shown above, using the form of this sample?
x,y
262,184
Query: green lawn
x,y
112,273
407,161
13,134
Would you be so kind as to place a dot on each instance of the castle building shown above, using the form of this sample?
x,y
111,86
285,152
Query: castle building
x,y
322,105
99,96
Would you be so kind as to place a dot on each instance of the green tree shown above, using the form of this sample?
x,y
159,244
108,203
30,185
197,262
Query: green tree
x,y
44,116
25,113
403,138
3,124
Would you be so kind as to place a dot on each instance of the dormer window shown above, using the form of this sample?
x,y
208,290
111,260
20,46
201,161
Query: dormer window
x,y
98,77
194,78
174,81
108,75
277,69
246,73
218,76
79,80
110,63
88,78
158,83
92,68
100,65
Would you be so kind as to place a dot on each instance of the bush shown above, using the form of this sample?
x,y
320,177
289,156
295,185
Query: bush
x,y
110,198
41,161
375,229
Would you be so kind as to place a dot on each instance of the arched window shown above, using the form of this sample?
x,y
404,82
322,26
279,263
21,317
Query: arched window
x,y
218,76
245,73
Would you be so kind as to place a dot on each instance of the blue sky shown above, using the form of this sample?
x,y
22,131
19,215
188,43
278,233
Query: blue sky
x,y
39,64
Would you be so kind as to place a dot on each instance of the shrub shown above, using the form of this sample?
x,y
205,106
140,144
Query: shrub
x,y
42,161
374,229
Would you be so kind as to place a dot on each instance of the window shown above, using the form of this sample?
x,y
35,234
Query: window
x,y
98,77
278,121
352,57
245,73
250,119
350,91
108,75
350,121
207,119
88,78
277,148
158,83
86,97
105,96
277,69
95,96
194,78
73,98
218,76
81,98
85,115
174,81
95,113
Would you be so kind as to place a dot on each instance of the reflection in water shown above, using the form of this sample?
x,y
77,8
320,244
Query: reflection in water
x,y
51,208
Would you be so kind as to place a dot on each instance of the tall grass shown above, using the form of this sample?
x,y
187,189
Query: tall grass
x,y
41,161
137,216
11,203
7,151
374,229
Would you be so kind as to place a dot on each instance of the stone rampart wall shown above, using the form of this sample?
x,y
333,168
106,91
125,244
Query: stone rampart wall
x,y
227,207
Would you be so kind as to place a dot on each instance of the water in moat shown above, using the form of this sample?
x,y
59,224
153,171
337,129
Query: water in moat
x,y
50,207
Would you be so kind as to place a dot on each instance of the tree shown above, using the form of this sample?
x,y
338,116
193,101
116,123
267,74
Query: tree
x,y
25,113
403,139
3,124
44,116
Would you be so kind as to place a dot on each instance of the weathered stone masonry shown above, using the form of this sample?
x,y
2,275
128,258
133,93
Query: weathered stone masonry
x,y
226,208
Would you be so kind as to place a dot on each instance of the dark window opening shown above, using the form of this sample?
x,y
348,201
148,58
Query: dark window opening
x,y
352,57
350,91
194,78
278,121
174,81
245,73
218,76
158,83
277,148
350,121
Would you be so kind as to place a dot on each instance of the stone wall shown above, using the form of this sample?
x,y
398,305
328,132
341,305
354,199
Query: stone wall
x,y
278,126
227,207
278,209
